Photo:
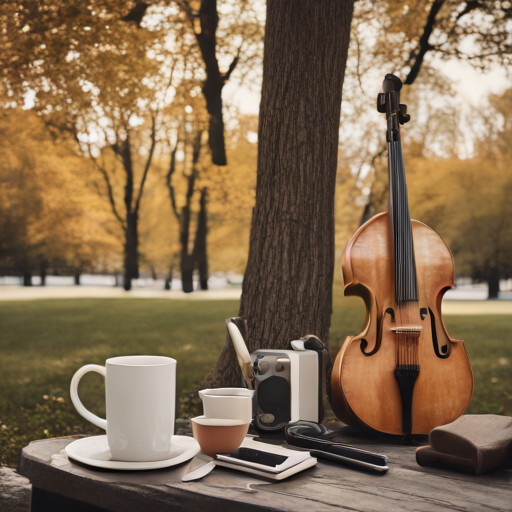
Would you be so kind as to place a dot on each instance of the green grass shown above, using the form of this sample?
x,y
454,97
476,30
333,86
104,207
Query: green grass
x,y
42,343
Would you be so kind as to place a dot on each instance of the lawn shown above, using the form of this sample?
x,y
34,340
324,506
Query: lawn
x,y
42,343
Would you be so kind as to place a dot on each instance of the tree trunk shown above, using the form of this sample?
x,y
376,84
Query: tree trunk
x,y
168,281
200,247
187,272
186,259
131,250
27,278
77,278
43,269
287,289
215,81
493,280
213,95
187,262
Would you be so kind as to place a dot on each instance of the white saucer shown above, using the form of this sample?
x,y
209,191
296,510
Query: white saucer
x,y
94,451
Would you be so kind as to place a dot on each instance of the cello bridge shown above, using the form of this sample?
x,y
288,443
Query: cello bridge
x,y
408,331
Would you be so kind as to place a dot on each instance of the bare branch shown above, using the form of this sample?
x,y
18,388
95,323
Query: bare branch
x,y
418,54
233,64
148,161
170,186
470,6
137,13
110,190
358,67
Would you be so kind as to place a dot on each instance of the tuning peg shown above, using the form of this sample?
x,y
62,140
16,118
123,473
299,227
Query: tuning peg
x,y
403,116
404,119
381,103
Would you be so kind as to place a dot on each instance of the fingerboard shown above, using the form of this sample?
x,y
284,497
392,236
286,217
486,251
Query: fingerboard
x,y
406,282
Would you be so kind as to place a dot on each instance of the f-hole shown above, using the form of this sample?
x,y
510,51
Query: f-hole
x,y
444,352
364,344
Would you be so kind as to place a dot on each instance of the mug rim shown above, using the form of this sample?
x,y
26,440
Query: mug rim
x,y
227,392
140,361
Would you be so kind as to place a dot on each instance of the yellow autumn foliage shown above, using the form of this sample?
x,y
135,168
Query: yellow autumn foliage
x,y
49,211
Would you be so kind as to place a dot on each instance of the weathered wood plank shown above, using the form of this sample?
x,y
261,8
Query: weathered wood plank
x,y
327,487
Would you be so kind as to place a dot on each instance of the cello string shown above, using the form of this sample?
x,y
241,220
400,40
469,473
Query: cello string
x,y
406,286
405,271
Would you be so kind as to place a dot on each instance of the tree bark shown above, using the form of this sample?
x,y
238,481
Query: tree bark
x,y
287,289
493,280
200,247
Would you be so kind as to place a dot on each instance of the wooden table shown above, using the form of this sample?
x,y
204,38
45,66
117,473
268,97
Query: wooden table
x,y
65,486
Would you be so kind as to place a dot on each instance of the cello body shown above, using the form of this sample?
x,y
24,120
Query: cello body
x,y
402,374
365,391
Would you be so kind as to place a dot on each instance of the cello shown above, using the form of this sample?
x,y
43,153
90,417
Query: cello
x,y
403,374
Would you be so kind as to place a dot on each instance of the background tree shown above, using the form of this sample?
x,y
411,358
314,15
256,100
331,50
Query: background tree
x,y
188,120
241,35
100,68
468,201
411,39
189,258
43,186
231,195
105,81
287,289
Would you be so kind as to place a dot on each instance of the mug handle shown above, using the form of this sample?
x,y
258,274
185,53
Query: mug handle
x,y
73,391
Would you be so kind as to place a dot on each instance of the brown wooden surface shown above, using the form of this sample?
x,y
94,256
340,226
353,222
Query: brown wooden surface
x,y
365,386
406,487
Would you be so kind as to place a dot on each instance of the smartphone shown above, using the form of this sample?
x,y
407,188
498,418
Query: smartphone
x,y
258,457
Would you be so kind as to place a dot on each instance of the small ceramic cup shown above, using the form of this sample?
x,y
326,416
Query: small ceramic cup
x,y
226,420
227,403
216,435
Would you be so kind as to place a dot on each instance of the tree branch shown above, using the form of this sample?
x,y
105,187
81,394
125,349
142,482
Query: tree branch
x,y
126,156
206,39
196,151
109,187
418,54
233,64
170,186
148,161
470,6
137,13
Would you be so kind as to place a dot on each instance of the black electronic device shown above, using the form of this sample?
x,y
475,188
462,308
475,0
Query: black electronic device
x,y
317,439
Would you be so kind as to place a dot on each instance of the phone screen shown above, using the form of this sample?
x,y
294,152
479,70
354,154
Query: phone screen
x,y
258,457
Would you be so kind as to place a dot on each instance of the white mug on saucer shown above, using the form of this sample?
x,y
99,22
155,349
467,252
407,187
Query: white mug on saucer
x,y
140,396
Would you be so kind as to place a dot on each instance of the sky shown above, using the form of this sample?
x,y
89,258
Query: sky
x,y
471,85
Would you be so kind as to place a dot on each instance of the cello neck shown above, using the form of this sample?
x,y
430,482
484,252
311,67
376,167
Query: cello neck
x,y
406,282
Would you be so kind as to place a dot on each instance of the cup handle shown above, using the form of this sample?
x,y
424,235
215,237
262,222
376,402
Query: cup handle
x,y
73,391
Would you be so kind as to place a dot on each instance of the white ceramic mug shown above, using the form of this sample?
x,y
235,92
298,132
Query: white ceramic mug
x,y
227,403
140,396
